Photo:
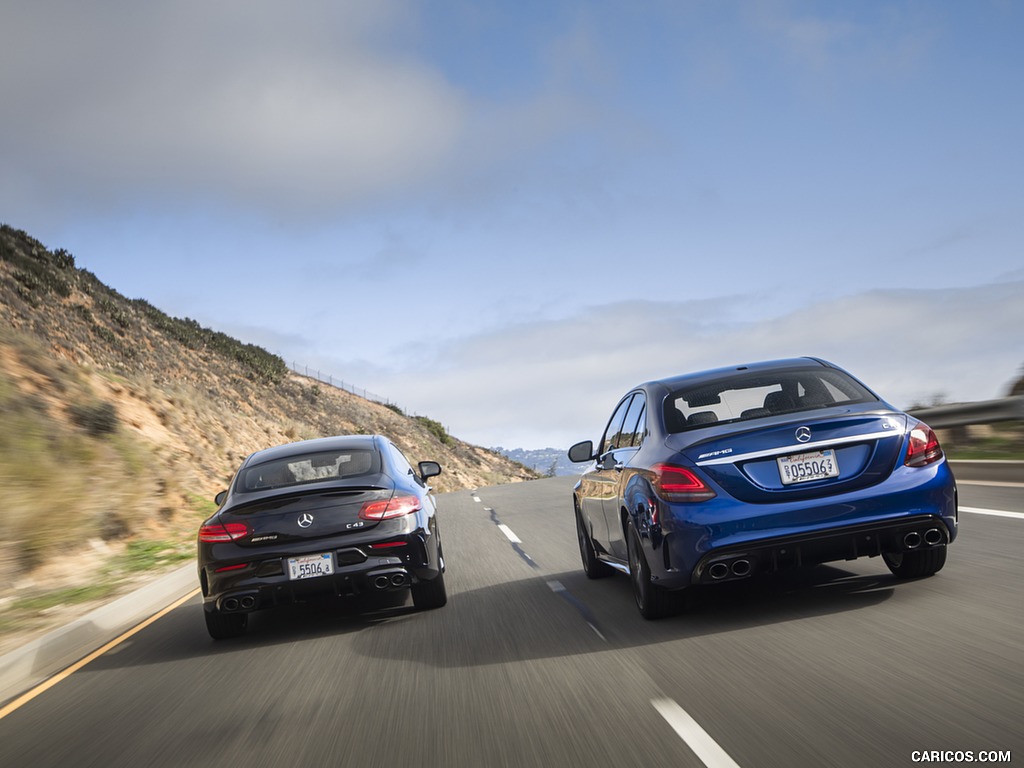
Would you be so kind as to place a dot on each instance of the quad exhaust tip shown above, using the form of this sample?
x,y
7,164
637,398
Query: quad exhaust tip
x,y
741,567
722,569
718,571
390,580
243,603
931,537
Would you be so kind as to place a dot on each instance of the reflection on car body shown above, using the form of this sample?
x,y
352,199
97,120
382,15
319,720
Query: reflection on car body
x,y
716,476
336,515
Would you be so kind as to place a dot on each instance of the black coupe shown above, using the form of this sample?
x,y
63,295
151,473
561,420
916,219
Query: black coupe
x,y
336,515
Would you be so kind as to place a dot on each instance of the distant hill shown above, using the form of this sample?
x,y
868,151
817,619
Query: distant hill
x,y
120,423
545,461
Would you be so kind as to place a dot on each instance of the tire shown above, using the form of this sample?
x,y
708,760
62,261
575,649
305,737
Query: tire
x,y
592,566
224,626
653,601
916,564
427,595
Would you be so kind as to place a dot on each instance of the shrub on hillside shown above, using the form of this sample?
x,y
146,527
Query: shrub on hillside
x,y
435,428
95,418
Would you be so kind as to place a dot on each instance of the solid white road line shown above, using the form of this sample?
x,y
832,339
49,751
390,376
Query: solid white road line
x,y
993,512
696,738
991,483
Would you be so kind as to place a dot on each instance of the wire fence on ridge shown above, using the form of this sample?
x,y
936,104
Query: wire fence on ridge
x,y
338,383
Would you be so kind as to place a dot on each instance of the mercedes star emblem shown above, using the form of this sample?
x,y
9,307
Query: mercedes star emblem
x,y
803,434
306,520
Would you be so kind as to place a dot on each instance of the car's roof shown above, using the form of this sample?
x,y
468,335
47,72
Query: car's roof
x,y
701,377
333,443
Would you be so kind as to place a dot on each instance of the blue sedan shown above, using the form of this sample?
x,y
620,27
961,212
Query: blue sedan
x,y
721,475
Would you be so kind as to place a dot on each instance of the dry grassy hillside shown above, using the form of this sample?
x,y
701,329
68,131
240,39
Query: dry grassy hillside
x,y
118,424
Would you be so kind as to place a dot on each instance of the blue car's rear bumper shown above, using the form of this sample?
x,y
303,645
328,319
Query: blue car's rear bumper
x,y
725,539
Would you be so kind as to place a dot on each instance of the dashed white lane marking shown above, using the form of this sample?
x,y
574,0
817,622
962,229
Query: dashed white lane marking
x,y
696,738
559,589
993,512
509,534
476,499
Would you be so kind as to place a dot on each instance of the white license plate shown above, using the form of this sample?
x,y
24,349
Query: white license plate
x,y
805,467
310,566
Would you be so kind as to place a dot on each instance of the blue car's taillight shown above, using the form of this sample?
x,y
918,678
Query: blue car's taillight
x,y
923,447
673,483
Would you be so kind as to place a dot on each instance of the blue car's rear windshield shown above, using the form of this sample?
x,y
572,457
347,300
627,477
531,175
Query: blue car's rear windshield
x,y
308,468
758,394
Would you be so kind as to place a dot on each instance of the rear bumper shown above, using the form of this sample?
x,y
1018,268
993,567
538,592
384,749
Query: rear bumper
x,y
695,541
263,581
847,543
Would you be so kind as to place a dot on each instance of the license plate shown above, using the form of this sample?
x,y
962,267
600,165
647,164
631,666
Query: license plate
x,y
805,467
310,566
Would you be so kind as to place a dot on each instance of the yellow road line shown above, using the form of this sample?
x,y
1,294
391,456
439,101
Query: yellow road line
x,y
49,683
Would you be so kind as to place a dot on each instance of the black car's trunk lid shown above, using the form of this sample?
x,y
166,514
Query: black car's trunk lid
x,y
312,514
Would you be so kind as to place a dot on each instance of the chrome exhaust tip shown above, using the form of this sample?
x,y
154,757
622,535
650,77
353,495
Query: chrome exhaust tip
x,y
932,537
398,580
718,571
381,582
247,603
912,540
230,604
741,567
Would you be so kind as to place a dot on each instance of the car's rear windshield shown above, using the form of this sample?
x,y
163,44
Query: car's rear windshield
x,y
306,468
755,395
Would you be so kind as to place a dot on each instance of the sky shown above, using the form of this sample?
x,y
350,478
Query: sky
x,y
503,215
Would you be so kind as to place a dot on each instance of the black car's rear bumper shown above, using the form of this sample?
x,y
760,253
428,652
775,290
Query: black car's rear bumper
x,y
263,581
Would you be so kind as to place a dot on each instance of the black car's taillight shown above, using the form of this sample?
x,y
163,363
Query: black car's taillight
x,y
218,532
389,508
673,483
923,447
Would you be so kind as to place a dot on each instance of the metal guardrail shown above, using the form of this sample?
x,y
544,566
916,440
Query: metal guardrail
x,y
965,414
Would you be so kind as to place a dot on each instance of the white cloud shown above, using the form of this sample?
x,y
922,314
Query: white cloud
x,y
296,107
314,109
552,383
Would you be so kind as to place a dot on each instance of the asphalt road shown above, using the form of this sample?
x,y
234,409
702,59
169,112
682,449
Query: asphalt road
x,y
531,664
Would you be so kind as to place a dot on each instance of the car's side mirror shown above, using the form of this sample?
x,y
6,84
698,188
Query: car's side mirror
x,y
429,469
582,452
219,498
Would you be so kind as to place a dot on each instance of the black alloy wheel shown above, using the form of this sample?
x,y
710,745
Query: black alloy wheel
x,y
917,563
223,626
653,601
592,566
427,595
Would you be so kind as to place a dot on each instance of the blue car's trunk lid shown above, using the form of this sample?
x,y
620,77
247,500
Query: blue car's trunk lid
x,y
819,456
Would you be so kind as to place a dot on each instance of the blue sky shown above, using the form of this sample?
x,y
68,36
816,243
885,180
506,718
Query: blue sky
x,y
503,215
